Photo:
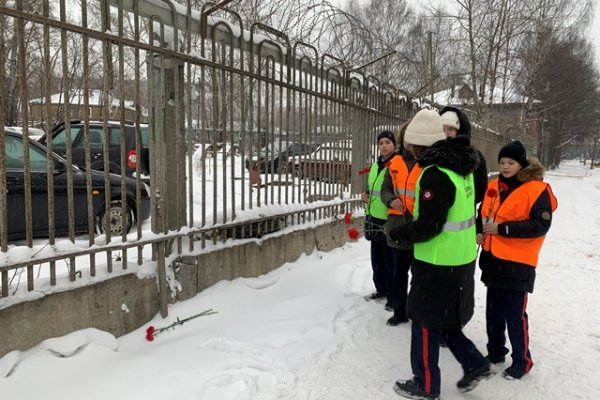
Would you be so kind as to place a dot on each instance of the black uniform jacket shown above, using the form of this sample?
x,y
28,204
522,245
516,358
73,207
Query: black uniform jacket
x,y
440,297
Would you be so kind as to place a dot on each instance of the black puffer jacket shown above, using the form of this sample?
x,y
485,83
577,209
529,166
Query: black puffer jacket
x,y
481,173
510,275
440,297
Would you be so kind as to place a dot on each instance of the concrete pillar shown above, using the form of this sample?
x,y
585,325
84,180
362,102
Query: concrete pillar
x,y
167,145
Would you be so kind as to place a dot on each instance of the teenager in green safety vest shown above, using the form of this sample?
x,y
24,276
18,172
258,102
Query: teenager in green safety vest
x,y
441,297
398,193
376,216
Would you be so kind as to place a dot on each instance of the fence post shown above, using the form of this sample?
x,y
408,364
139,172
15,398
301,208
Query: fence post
x,y
165,116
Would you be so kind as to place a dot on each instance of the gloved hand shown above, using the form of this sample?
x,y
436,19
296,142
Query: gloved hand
x,y
398,233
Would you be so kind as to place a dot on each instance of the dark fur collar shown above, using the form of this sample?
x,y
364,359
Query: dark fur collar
x,y
533,172
453,153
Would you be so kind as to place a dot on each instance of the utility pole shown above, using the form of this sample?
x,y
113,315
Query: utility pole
x,y
594,147
430,71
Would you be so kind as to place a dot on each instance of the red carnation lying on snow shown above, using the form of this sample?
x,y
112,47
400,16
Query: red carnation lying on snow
x,y
347,218
365,170
492,193
150,333
353,233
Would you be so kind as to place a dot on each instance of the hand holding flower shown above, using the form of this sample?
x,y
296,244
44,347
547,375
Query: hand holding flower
x,y
490,228
480,238
397,204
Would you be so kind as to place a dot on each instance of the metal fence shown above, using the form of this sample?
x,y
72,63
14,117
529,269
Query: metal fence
x,y
209,130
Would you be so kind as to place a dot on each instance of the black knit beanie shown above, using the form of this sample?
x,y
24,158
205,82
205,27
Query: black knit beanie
x,y
387,134
516,151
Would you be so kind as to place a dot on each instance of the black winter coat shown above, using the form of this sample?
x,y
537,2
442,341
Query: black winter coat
x,y
511,275
440,297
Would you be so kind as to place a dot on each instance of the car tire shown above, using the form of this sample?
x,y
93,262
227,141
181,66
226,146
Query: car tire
x,y
115,218
283,167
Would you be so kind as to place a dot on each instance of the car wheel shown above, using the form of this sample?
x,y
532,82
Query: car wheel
x,y
115,219
283,167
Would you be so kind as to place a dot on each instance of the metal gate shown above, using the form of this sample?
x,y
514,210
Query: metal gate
x,y
189,128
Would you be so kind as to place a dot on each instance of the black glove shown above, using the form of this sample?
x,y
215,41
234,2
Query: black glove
x,y
398,233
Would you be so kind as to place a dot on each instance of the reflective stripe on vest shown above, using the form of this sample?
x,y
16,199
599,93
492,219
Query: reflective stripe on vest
x,y
516,207
459,226
375,206
456,244
404,182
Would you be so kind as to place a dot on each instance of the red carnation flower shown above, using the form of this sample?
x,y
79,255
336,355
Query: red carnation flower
x,y
353,234
492,193
365,170
150,333
347,218
503,186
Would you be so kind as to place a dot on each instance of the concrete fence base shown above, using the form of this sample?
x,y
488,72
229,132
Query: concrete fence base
x,y
124,303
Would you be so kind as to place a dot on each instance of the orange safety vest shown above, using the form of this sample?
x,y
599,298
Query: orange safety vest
x,y
405,183
516,207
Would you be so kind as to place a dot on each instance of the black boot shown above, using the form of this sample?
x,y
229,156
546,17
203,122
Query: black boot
x,y
374,296
410,390
470,380
396,320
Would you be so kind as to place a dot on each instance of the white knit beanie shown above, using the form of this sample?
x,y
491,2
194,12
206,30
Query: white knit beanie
x,y
425,129
450,118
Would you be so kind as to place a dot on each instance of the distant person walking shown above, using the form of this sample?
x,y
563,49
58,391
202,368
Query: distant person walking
x,y
382,257
441,298
516,214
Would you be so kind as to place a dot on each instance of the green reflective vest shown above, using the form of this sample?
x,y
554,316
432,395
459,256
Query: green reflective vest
x,y
456,244
375,207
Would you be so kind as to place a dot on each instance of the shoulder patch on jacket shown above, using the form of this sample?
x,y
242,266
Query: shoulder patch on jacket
x,y
427,195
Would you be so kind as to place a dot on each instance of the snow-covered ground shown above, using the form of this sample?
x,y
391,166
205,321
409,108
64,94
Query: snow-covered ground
x,y
304,332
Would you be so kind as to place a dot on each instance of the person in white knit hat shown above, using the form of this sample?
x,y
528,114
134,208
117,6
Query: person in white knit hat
x,y
441,297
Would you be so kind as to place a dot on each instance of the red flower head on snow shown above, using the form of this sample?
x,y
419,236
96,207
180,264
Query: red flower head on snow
x,y
365,170
353,233
150,334
347,218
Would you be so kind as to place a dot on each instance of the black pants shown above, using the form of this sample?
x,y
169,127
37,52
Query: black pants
x,y
508,309
398,281
425,354
382,259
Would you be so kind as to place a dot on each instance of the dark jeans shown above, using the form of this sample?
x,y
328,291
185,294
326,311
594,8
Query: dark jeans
x,y
425,354
382,258
398,281
508,308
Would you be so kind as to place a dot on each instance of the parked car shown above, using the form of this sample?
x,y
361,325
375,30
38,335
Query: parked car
x,y
34,133
59,146
331,162
275,156
39,192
